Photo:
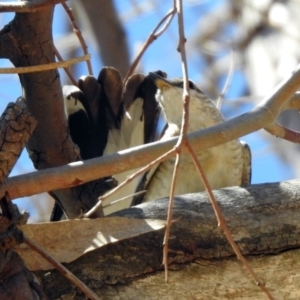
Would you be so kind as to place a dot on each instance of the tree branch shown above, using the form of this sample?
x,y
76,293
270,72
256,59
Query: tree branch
x,y
263,220
27,41
78,173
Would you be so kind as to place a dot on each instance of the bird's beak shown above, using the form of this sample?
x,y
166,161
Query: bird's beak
x,y
161,83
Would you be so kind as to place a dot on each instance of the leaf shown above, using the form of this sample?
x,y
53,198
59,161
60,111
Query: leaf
x,y
68,240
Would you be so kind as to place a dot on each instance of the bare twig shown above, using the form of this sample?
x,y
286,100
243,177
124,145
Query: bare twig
x,y
153,36
129,179
27,6
79,35
71,77
183,131
169,221
228,80
64,271
182,140
222,223
45,67
124,198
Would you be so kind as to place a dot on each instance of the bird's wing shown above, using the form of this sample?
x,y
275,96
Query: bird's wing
x,y
138,126
112,90
130,134
103,104
78,121
91,89
247,169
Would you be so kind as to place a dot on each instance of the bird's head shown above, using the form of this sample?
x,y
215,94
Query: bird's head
x,y
170,97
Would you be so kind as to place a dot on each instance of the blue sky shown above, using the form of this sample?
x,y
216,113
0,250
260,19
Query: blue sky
x,y
161,55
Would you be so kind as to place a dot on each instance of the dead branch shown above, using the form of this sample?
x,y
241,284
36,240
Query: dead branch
x,y
66,69
166,21
183,131
45,67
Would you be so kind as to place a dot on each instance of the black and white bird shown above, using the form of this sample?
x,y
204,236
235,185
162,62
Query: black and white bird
x,y
114,119
224,165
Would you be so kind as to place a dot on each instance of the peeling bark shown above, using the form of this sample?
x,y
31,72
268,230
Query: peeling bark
x,y
16,127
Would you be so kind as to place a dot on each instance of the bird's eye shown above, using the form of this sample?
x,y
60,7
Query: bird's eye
x,y
191,85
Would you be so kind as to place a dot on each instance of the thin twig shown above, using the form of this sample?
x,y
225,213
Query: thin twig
x,y
183,131
79,35
124,198
153,36
67,70
65,272
228,81
169,221
45,67
158,160
27,6
222,223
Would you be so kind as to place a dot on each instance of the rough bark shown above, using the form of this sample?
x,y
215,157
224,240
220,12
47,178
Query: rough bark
x,y
262,218
16,127
27,41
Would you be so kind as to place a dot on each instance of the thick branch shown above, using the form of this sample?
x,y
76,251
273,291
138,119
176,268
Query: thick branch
x,y
263,219
79,172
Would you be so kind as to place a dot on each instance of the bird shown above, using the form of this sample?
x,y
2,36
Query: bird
x,y
91,109
131,119
104,117
225,165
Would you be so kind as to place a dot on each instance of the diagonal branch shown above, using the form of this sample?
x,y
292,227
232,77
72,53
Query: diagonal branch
x,y
153,36
64,271
76,173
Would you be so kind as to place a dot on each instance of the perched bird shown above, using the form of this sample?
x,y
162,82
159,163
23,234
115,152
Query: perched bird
x,y
224,165
108,119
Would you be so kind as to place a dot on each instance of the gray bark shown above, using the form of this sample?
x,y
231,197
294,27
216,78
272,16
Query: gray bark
x,y
263,220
